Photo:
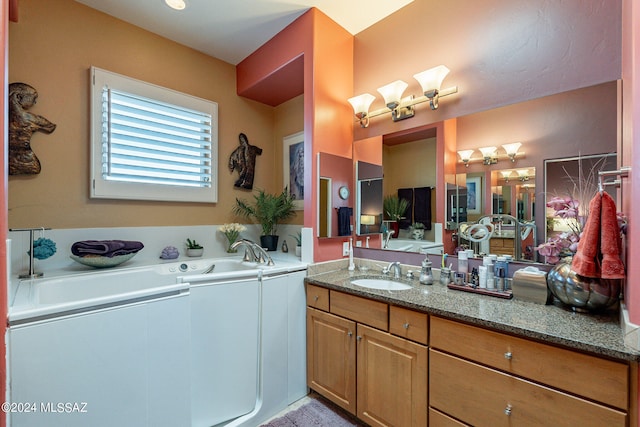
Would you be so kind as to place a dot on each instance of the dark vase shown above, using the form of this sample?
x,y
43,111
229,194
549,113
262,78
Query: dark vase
x,y
582,293
270,243
395,226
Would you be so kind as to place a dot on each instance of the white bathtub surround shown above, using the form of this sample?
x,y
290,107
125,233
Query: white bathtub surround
x,y
154,239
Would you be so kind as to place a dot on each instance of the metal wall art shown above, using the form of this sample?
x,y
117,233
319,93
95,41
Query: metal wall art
x,y
243,159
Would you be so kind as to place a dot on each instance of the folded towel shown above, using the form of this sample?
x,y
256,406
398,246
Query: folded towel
x,y
585,261
344,221
407,194
107,248
422,208
610,242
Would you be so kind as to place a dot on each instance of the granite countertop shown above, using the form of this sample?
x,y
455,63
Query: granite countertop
x,y
600,334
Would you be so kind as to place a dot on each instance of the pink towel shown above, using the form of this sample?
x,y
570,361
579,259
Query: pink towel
x,y
585,261
610,242
600,246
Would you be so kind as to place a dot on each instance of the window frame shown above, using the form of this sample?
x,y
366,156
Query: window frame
x,y
101,188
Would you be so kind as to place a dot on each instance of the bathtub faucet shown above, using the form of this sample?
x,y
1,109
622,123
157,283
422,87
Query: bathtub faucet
x,y
387,236
253,252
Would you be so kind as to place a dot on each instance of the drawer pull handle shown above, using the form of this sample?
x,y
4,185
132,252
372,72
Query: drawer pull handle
x,y
349,334
359,338
317,297
507,410
508,355
406,326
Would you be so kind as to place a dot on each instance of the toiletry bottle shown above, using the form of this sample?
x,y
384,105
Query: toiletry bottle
x,y
352,266
501,262
491,284
482,276
426,276
463,262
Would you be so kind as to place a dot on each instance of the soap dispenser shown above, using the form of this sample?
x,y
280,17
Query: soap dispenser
x,y
426,276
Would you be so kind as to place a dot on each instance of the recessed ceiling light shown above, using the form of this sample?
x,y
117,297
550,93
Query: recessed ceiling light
x,y
176,4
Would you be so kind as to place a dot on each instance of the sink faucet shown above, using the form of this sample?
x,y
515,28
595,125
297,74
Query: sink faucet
x,y
387,236
253,252
395,265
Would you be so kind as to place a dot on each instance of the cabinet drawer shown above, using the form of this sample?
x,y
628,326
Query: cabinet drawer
x,y
600,379
318,297
362,310
438,419
409,324
481,396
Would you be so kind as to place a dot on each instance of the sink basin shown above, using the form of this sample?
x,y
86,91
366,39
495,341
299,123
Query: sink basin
x,y
383,284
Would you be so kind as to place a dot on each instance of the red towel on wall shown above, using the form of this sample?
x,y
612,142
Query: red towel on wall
x,y
600,246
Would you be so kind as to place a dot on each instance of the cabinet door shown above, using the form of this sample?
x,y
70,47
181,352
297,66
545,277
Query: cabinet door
x,y
392,380
481,396
331,358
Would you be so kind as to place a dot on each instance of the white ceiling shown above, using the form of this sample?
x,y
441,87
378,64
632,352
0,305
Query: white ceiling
x,y
232,29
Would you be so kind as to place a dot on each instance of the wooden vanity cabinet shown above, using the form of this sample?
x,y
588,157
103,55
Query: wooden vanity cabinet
x,y
356,362
502,246
482,377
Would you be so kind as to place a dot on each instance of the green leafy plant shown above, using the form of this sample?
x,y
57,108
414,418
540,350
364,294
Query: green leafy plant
x,y
298,237
417,226
267,209
192,244
394,207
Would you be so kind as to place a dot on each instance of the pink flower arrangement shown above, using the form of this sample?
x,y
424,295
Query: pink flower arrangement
x,y
566,243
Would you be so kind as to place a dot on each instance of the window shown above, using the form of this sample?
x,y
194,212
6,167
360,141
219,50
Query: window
x,y
151,143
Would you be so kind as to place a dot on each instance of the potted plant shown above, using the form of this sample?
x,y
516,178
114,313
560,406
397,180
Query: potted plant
x,y
267,210
394,208
298,238
194,248
417,230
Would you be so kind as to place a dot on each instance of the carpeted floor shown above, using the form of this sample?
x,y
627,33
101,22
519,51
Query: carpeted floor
x,y
317,412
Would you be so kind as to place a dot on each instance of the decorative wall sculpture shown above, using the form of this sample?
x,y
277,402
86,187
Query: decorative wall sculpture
x,y
243,159
22,125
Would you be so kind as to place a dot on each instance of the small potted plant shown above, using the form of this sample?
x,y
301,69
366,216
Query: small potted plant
x,y
298,238
417,230
194,249
232,232
268,210
394,208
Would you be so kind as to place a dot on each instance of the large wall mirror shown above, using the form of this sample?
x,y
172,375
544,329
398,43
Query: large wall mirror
x,y
581,121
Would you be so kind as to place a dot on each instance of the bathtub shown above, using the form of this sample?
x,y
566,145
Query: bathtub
x,y
411,245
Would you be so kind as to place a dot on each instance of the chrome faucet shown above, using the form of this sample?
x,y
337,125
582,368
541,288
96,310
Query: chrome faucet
x,y
397,271
387,236
253,252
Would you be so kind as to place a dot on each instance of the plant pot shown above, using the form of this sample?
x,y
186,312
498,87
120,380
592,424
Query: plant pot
x,y
395,226
298,251
270,243
195,252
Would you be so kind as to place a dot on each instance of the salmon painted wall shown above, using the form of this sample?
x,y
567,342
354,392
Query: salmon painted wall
x,y
630,153
499,52
327,52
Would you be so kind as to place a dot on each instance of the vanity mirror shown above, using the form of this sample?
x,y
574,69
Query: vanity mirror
x,y
557,126
334,195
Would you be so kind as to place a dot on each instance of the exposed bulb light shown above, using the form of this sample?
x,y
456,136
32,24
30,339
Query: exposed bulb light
x,y
361,104
176,4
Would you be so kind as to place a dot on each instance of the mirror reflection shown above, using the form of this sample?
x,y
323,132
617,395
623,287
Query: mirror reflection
x,y
334,207
368,198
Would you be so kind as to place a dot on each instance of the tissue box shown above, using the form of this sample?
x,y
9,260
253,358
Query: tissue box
x,y
530,284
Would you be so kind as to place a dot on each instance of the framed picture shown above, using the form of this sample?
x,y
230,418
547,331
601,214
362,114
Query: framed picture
x,y
474,195
293,167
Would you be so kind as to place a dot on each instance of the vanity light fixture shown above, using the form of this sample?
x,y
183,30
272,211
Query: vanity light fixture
x,y
176,4
523,175
399,107
506,174
361,104
489,155
512,150
465,156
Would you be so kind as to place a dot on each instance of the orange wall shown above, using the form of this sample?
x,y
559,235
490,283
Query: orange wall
x,y
52,48
327,50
